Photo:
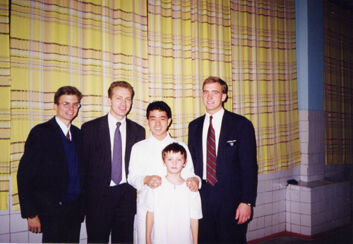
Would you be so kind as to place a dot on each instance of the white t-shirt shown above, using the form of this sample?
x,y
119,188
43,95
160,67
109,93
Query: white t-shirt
x,y
173,207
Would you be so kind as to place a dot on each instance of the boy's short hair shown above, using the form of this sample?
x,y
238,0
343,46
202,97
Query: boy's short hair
x,y
67,90
175,148
122,84
158,105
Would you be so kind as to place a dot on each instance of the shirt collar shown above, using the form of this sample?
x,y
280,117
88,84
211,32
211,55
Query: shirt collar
x,y
216,116
62,126
165,139
112,120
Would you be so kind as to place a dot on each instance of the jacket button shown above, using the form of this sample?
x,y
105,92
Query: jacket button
x,y
60,203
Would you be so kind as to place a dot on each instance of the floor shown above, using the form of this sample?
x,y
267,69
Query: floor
x,y
342,235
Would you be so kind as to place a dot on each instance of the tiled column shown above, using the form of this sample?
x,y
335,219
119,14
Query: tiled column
x,y
315,205
311,129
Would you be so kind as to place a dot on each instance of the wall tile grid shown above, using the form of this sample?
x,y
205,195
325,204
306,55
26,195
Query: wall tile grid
x,y
270,211
317,208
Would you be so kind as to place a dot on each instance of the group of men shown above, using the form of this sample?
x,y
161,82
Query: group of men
x,y
66,174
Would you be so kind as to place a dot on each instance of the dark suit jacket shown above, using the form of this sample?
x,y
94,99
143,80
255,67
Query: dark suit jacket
x,y
97,158
236,158
43,175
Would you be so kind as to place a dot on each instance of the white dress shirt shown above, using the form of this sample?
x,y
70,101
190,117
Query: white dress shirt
x,y
216,123
112,127
63,127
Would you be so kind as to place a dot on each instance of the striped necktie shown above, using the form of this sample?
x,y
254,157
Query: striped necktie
x,y
211,155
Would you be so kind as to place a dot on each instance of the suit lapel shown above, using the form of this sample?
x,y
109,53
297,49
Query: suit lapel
x,y
198,145
223,134
57,139
104,137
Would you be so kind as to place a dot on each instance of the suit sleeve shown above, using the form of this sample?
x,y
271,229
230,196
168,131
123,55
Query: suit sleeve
x,y
248,162
28,173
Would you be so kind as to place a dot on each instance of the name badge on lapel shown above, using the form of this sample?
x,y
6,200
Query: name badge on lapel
x,y
231,142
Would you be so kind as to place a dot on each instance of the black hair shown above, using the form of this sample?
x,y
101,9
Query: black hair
x,y
158,105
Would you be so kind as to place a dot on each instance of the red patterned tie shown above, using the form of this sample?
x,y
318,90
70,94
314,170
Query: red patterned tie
x,y
68,136
211,155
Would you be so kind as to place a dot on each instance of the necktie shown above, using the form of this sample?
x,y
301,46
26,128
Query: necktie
x,y
68,136
211,155
117,156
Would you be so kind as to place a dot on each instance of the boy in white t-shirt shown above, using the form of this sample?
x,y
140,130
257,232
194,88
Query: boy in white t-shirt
x,y
173,210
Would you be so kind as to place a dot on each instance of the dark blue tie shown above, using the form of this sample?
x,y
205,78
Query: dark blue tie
x,y
117,156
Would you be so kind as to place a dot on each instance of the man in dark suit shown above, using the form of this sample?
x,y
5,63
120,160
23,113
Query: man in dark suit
x,y
223,149
107,142
50,176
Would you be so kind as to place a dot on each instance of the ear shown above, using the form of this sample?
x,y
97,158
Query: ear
x,y
109,101
55,107
224,97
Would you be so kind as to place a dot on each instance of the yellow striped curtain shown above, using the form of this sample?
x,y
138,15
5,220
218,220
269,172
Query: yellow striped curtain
x,y
5,103
87,44
338,77
188,41
264,78
165,49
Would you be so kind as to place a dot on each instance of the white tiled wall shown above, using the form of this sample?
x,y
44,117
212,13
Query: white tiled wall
x,y
318,207
270,211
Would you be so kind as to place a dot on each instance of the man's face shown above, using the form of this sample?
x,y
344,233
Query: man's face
x,y
158,122
67,108
213,97
120,102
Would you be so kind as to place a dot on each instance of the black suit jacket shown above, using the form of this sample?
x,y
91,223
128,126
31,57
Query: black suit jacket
x,y
43,175
97,158
236,158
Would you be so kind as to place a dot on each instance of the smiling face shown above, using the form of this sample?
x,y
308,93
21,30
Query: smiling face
x,y
67,108
120,102
174,161
213,97
158,123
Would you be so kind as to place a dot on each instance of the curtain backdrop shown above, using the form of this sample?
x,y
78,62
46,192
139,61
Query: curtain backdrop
x,y
338,83
165,49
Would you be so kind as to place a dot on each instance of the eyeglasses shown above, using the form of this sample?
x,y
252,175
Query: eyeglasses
x,y
69,105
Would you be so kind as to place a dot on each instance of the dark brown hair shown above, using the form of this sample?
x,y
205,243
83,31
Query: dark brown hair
x,y
67,90
175,148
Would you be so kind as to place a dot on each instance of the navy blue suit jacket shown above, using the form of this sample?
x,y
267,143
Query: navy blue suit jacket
x,y
236,158
43,175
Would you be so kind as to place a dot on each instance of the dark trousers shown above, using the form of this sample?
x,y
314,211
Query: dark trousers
x,y
113,214
218,224
64,226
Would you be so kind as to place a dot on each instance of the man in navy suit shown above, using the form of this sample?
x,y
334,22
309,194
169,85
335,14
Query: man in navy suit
x,y
110,202
50,175
223,149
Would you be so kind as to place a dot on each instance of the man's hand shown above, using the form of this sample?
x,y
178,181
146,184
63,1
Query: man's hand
x,y
34,224
153,181
243,213
192,183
